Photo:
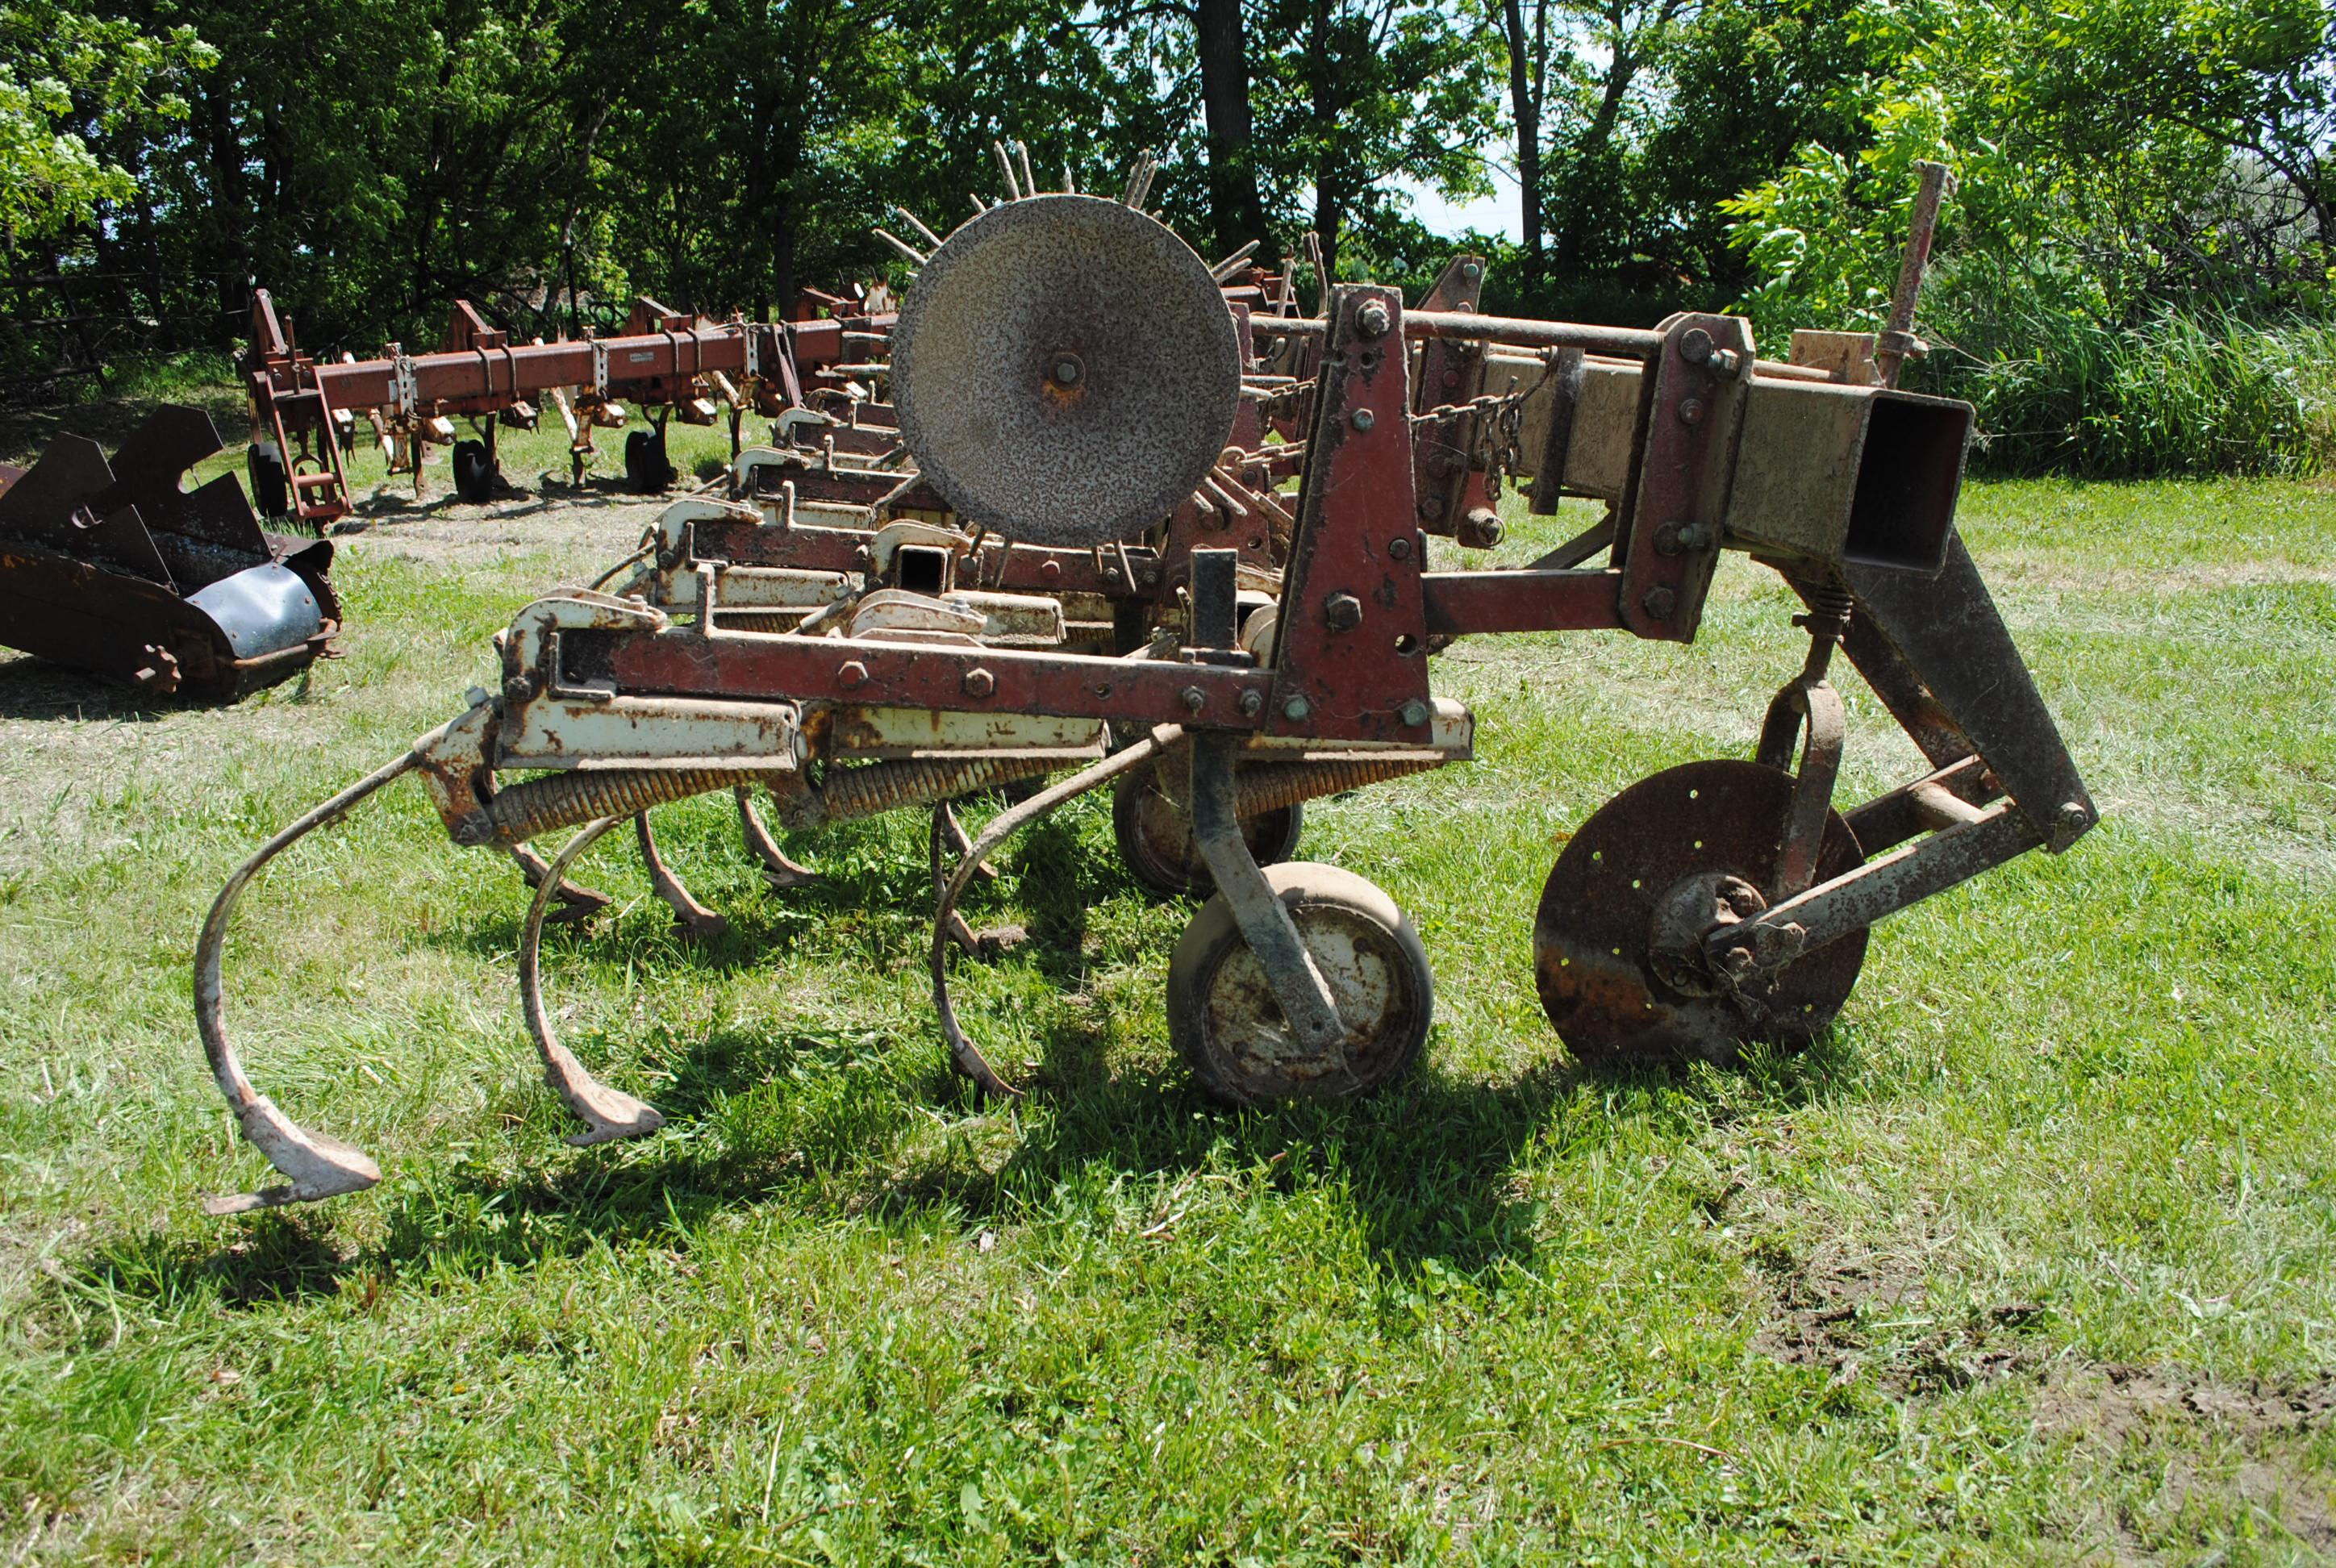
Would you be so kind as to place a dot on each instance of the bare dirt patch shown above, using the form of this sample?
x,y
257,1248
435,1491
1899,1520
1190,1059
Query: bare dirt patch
x,y
1830,1309
2111,1410
594,527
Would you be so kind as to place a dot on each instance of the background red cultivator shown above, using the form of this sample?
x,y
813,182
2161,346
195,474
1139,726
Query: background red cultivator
x,y
1072,384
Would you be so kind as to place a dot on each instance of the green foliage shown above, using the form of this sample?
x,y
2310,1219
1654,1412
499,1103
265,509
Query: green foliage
x,y
2112,235
369,163
68,82
2182,392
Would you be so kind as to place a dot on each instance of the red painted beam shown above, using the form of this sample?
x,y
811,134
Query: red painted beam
x,y
902,674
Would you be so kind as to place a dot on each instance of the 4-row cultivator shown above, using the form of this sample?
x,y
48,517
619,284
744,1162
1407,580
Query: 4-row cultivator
x,y
1066,552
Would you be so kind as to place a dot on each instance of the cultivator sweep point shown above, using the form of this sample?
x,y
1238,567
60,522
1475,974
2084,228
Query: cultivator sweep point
x,y
815,638
108,565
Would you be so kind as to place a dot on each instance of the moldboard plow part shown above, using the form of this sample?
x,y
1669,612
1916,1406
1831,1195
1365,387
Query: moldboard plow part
x,y
1713,905
109,567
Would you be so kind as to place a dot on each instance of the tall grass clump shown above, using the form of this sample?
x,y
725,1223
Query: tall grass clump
x,y
2185,392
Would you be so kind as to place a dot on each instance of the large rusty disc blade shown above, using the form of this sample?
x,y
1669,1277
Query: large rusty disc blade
x,y
1650,851
1066,370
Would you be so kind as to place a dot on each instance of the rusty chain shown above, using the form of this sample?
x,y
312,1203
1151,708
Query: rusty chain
x,y
1498,446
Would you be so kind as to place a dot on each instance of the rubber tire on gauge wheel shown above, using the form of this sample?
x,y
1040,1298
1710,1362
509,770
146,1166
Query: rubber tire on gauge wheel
x,y
1141,817
474,472
1227,1026
269,491
646,471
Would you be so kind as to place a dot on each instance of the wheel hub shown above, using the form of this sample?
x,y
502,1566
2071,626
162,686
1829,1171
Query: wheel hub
x,y
1692,909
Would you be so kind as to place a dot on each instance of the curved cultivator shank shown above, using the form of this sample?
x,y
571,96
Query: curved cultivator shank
x,y
890,611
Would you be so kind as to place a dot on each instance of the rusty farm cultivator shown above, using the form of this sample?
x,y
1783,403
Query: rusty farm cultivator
x,y
109,565
1094,547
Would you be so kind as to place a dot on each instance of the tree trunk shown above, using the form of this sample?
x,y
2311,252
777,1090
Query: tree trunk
x,y
1323,106
229,255
1528,64
1235,206
1573,208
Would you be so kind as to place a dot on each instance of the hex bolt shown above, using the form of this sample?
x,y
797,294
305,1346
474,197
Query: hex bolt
x,y
519,688
854,673
1252,702
1194,699
1373,321
1725,362
1342,611
1364,419
1659,603
979,682
1675,537
1152,576
1691,411
1400,547
1296,709
1066,372
1414,714
1429,505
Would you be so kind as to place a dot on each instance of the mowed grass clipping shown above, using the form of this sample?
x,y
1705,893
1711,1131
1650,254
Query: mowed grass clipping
x,y
2031,1259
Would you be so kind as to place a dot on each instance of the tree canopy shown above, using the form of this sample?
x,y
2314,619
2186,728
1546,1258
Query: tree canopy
x,y
368,162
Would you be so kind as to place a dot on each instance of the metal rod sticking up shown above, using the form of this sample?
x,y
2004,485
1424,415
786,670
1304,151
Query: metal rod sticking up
x,y
1006,168
916,223
1139,178
1233,263
1022,150
903,246
1897,341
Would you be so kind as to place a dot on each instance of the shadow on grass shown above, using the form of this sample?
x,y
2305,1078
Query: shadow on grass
x,y
869,1125
33,689
823,1124
860,870
385,504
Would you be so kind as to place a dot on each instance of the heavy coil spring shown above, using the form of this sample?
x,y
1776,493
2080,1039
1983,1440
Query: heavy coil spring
x,y
1261,787
846,793
542,805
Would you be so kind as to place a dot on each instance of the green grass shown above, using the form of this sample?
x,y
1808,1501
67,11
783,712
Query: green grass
x,y
2032,1259
2187,392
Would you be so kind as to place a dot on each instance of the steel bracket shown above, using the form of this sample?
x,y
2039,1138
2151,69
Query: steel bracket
x,y
1265,924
